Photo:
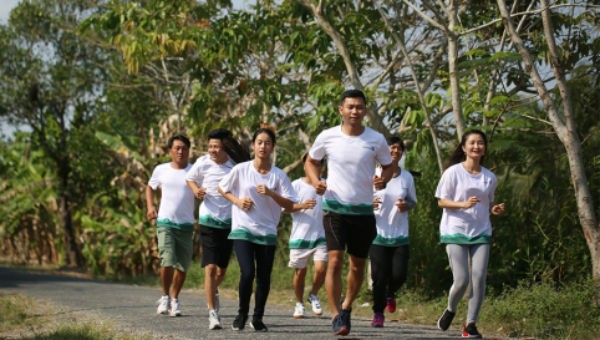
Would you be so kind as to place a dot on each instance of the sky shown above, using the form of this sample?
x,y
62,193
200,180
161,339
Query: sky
x,y
5,7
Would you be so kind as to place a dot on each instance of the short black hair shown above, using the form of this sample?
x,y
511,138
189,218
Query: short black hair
x,y
179,137
396,140
268,131
354,93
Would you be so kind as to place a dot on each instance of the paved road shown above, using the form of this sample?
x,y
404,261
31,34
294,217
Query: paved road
x,y
131,308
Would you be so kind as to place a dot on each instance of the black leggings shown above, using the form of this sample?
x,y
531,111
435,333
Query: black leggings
x,y
254,259
389,266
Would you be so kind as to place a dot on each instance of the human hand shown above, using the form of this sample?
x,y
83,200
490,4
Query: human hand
x,y
151,214
401,205
309,203
376,202
263,189
199,193
321,187
498,209
245,203
470,202
378,182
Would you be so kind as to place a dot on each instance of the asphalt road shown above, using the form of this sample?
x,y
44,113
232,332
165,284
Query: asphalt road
x,y
131,308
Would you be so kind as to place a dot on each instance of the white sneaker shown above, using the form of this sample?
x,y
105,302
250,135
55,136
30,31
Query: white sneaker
x,y
299,310
315,304
175,308
214,322
163,305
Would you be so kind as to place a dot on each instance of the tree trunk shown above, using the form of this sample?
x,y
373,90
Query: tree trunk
x,y
566,130
453,69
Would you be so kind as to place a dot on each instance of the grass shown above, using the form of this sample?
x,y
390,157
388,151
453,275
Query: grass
x,y
29,319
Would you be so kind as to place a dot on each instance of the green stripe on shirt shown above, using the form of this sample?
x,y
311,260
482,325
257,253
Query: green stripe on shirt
x,y
390,242
347,209
210,221
166,223
245,234
463,239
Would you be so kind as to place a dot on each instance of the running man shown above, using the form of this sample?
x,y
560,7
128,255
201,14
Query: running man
x,y
174,222
352,151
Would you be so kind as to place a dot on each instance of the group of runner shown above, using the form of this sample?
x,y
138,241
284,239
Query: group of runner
x,y
360,210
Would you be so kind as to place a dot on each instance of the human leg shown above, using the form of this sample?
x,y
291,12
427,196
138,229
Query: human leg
x,y
354,279
479,264
265,255
458,257
333,280
299,277
399,269
244,251
381,266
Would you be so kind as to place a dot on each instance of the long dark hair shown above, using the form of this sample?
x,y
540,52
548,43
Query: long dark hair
x,y
232,147
459,155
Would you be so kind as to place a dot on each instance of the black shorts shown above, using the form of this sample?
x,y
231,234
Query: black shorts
x,y
356,232
216,248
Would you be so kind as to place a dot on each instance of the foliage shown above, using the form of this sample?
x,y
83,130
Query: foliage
x,y
548,312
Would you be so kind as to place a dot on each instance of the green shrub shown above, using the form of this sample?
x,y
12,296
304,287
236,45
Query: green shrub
x,y
547,312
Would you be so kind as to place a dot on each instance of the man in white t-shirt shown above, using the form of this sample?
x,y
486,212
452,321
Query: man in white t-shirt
x,y
352,151
174,222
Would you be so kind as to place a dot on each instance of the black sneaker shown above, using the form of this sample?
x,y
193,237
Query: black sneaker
x,y
445,320
470,331
345,313
239,322
258,325
338,326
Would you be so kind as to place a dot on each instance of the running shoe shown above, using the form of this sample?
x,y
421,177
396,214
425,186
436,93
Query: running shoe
x,y
390,304
239,322
258,325
338,326
214,322
163,305
445,320
378,319
175,308
315,304
470,331
299,310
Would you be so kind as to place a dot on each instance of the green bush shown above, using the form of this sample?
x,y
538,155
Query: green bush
x,y
545,311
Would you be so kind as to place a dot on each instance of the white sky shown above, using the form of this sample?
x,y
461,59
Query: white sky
x,y
5,7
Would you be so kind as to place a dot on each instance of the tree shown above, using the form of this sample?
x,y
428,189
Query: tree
x,y
563,123
51,85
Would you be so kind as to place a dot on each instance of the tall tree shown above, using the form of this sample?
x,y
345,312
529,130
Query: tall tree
x,y
562,118
51,85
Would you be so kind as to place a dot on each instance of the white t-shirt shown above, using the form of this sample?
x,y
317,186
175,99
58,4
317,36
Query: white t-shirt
x,y
466,225
259,224
215,210
351,164
307,224
392,225
176,209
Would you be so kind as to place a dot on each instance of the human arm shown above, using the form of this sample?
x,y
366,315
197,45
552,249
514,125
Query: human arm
x,y
245,203
313,170
198,191
449,204
308,204
151,213
285,203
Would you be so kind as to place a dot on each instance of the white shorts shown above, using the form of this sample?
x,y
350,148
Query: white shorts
x,y
299,257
